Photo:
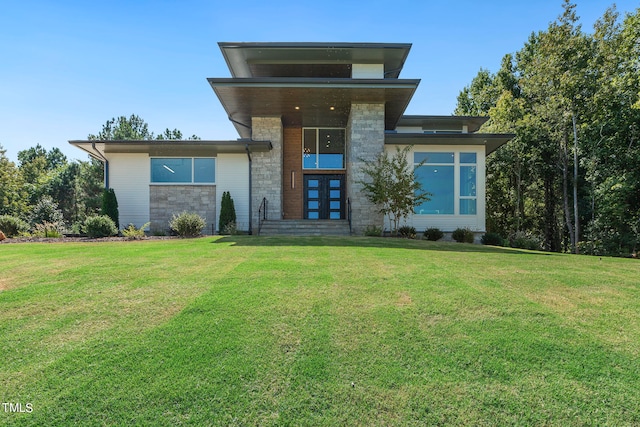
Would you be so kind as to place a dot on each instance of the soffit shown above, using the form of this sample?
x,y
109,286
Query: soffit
x,y
267,58
490,140
319,102
443,122
171,147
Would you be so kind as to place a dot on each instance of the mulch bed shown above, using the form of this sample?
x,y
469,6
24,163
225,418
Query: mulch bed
x,y
78,239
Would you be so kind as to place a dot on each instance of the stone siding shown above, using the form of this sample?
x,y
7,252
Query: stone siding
x,y
365,141
266,171
166,200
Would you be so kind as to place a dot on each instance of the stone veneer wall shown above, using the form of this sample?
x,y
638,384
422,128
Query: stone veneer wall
x,y
365,141
266,170
166,200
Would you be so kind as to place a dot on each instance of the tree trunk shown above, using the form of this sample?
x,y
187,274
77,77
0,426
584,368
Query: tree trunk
x,y
576,216
565,191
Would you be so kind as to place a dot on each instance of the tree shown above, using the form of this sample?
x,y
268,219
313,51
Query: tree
x,y
132,128
573,170
123,128
13,197
392,186
110,206
227,212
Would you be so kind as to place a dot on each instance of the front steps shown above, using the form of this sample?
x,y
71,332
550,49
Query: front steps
x,y
305,227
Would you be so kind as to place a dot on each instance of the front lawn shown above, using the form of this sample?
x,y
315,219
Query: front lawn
x,y
315,331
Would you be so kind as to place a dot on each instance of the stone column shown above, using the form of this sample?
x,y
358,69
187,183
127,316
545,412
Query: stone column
x,y
266,178
365,141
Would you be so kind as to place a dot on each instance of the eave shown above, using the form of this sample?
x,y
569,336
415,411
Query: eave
x,y
491,141
170,147
309,101
473,123
241,56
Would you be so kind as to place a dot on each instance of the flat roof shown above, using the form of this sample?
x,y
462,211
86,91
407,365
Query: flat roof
x,y
443,122
98,149
309,101
242,57
492,141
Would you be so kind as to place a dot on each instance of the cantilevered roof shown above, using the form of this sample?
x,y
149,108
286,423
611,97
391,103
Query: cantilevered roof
x,y
490,140
443,122
309,101
98,149
260,59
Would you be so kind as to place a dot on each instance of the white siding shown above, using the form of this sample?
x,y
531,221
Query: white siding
x,y
232,175
367,71
449,223
129,177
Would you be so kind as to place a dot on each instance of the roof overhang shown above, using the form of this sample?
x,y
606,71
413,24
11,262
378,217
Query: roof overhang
x,y
443,122
491,141
101,149
242,58
309,101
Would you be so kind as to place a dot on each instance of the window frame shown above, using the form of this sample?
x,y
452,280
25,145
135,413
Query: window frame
x,y
457,178
317,151
193,170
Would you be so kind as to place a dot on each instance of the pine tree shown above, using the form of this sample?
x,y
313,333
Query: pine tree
x,y
110,205
227,212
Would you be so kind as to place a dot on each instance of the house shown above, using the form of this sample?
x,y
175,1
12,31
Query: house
x,y
308,116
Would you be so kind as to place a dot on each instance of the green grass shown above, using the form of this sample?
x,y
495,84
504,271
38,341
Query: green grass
x,y
316,331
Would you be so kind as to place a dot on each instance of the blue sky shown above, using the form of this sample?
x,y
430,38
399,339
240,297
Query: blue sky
x,y
66,67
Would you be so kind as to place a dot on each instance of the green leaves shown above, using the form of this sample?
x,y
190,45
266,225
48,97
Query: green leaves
x,y
392,185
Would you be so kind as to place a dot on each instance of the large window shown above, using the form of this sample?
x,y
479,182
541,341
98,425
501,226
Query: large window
x,y
439,174
323,148
468,184
183,170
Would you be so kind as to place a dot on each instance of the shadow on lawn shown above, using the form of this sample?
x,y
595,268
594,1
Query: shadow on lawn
x,y
370,242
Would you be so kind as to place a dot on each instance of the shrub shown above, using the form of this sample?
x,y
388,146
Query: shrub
x,y
46,210
187,224
133,233
373,231
48,229
230,228
13,226
407,232
523,240
493,239
462,235
433,234
110,205
100,226
227,213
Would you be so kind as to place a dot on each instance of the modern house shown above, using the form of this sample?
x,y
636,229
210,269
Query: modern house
x,y
308,116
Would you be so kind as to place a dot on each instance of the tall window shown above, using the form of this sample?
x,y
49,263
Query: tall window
x,y
439,174
183,170
468,184
323,148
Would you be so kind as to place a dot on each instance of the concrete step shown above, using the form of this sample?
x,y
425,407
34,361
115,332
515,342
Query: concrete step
x,y
305,227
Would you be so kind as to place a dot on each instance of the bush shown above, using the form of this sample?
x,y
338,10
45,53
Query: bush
x,y
493,239
46,210
48,229
227,213
187,224
100,226
133,233
13,226
523,240
373,231
110,206
407,232
433,234
231,228
462,235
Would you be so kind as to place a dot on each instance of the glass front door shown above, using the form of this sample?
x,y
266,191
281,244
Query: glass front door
x,y
324,197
